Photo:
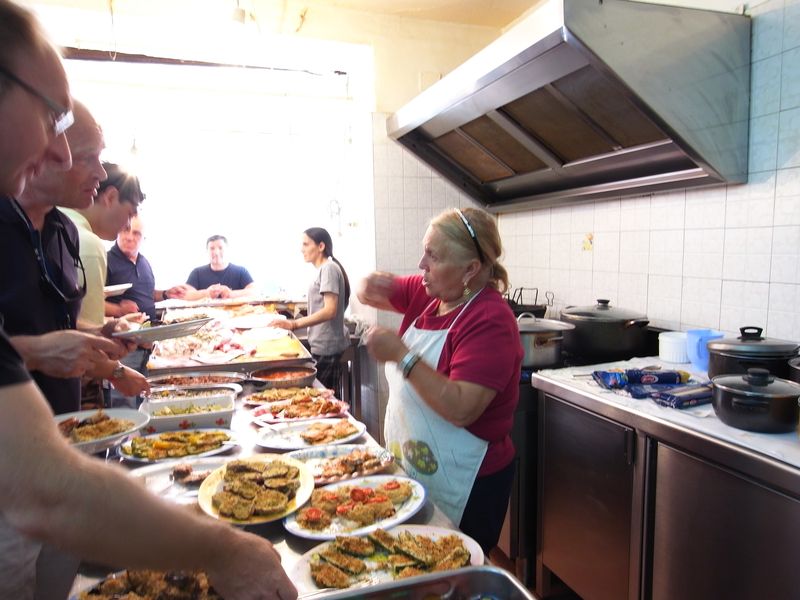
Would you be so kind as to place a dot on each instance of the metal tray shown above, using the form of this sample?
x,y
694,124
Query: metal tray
x,y
157,380
469,583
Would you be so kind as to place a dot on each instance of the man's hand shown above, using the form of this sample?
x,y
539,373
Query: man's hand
x,y
132,383
177,291
251,571
128,306
64,353
219,291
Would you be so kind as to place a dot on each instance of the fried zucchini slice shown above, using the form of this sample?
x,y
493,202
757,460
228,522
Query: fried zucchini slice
x,y
355,546
268,502
383,539
348,564
326,575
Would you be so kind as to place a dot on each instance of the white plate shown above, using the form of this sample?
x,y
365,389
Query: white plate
x,y
147,335
315,458
287,437
255,321
158,478
93,446
116,290
225,447
214,483
300,573
404,512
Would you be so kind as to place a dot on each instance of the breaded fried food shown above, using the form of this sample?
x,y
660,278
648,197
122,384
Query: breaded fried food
x,y
256,478
242,487
383,508
363,514
456,559
355,546
399,562
244,466
420,551
276,483
397,491
326,575
268,502
410,572
384,539
231,505
328,500
276,468
313,518
347,563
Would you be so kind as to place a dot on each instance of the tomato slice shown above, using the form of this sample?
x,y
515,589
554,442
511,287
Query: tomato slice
x,y
361,494
391,485
378,499
343,509
313,514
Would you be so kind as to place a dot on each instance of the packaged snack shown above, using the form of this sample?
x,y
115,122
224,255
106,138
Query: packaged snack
x,y
684,396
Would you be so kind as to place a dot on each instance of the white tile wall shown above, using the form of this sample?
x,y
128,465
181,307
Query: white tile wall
x,y
722,258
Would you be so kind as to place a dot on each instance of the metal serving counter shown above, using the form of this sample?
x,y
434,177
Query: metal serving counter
x,y
289,547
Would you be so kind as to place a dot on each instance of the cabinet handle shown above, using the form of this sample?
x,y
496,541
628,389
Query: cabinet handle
x,y
630,446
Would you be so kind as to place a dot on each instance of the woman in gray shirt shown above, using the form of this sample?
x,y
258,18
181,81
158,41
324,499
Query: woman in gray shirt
x,y
328,297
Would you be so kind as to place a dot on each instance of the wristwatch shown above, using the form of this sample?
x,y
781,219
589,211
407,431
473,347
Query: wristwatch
x,y
118,372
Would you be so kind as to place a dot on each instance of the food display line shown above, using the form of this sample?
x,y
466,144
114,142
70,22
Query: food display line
x,y
290,547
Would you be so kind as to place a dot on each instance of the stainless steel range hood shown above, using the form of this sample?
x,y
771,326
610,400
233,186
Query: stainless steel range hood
x,y
587,99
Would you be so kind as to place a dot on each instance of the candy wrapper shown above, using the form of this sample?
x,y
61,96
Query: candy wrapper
x,y
611,380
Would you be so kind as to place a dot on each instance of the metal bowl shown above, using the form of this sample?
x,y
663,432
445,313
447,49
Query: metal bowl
x,y
284,377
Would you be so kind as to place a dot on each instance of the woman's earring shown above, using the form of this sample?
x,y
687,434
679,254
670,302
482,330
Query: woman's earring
x,y
467,291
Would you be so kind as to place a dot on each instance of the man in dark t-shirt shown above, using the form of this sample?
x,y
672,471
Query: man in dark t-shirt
x,y
220,278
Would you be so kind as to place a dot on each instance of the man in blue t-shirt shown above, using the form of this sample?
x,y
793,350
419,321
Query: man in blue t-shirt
x,y
219,278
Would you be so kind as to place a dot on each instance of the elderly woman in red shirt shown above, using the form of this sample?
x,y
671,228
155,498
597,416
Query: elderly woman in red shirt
x,y
453,370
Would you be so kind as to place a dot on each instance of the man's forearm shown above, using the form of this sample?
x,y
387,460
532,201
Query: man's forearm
x,y
85,506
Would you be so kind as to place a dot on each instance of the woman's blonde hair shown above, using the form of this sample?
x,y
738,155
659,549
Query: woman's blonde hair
x,y
486,240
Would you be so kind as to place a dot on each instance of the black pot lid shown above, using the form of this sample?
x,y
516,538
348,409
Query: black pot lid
x,y
757,382
602,311
534,325
750,342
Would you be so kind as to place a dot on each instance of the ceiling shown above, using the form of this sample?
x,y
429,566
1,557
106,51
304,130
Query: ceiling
x,y
487,13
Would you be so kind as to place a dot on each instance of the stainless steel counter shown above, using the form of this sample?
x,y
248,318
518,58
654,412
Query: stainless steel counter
x,y
771,457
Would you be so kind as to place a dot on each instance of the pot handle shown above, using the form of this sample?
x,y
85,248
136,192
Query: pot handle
x,y
636,323
546,342
750,333
748,404
525,314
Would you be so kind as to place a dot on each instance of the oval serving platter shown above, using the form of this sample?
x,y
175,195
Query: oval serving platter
x,y
403,512
288,436
231,443
318,458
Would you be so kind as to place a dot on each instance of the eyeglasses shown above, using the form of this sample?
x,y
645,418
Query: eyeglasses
x,y
62,116
471,232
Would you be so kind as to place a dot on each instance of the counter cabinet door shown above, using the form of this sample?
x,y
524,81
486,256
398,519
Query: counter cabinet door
x,y
718,534
587,483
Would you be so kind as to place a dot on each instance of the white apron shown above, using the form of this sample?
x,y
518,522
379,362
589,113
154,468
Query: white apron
x,y
441,456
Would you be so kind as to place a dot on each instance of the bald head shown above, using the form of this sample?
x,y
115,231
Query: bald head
x,y
77,187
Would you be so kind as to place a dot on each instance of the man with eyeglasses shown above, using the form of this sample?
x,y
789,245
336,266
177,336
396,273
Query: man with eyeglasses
x,y
49,491
46,284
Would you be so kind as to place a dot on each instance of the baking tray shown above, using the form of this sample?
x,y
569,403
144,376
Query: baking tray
x,y
469,583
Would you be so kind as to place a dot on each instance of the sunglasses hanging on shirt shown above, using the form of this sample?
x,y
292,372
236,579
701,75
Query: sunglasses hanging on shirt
x,y
68,296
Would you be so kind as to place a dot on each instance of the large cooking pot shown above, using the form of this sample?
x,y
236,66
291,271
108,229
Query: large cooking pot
x,y
605,332
541,340
757,401
730,356
794,369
